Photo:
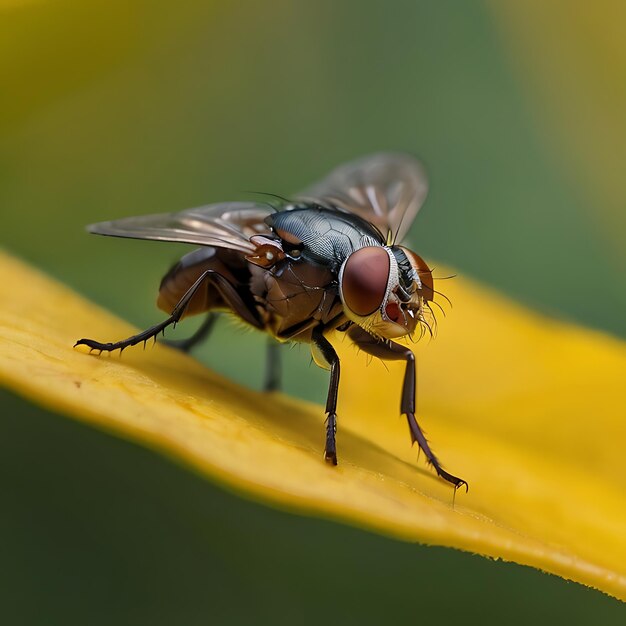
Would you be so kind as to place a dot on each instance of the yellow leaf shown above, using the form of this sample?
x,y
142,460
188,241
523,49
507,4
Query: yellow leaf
x,y
530,411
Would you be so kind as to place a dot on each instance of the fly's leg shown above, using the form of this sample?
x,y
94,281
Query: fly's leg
x,y
391,351
329,356
204,330
223,286
272,366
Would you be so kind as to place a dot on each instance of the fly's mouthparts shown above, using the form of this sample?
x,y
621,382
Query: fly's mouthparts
x,y
402,294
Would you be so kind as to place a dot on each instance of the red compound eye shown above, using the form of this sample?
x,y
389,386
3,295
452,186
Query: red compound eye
x,y
392,311
364,280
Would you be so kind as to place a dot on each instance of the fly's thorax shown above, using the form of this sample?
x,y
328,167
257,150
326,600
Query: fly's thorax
x,y
382,290
323,236
293,296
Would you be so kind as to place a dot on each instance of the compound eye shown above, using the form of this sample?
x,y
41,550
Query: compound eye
x,y
364,280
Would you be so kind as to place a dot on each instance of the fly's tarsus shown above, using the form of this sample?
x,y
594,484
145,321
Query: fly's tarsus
x,y
330,450
417,436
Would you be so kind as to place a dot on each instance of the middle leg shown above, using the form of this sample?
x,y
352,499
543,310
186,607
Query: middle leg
x,y
272,366
329,356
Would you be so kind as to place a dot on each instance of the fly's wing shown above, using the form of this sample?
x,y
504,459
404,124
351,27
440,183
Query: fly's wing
x,y
386,189
225,225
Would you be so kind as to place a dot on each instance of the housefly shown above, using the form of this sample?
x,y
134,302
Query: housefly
x,y
327,260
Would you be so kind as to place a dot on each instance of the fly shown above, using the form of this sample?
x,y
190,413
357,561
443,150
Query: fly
x,y
327,260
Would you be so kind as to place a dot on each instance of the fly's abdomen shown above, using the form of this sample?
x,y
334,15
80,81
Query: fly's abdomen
x,y
185,273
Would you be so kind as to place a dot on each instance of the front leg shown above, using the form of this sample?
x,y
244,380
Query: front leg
x,y
391,351
325,356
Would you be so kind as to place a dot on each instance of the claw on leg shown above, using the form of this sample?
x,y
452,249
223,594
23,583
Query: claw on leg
x,y
131,341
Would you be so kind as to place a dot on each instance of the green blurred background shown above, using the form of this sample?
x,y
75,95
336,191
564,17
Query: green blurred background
x,y
115,108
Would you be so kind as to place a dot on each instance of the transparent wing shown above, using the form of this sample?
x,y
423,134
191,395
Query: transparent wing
x,y
224,225
387,189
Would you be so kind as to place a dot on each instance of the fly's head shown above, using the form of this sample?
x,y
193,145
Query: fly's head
x,y
385,290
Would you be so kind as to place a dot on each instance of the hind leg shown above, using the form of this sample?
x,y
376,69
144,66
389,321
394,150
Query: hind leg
x,y
226,290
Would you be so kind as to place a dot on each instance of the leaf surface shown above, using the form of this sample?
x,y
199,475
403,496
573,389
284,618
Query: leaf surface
x,y
530,411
